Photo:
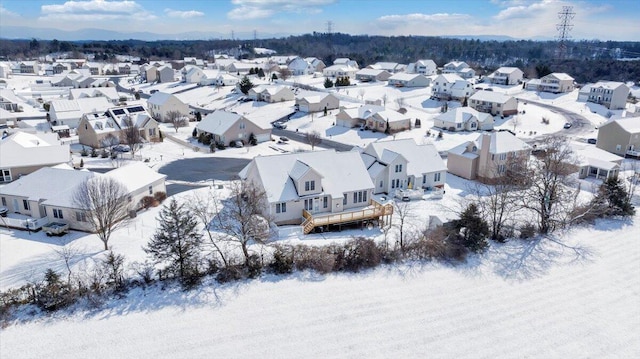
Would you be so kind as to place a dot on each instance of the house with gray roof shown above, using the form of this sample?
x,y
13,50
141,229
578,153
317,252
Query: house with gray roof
x,y
22,153
227,127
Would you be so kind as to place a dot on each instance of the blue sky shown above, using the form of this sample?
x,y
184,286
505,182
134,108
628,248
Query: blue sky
x,y
605,20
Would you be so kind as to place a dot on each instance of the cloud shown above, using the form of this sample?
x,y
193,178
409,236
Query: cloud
x,y
260,9
183,14
95,10
389,21
527,10
7,13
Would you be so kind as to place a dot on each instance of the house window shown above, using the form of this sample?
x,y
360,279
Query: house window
x,y
5,176
4,201
501,168
281,207
398,168
57,213
25,203
150,189
393,184
424,179
473,125
242,125
381,183
325,202
503,156
397,183
436,177
364,196
355,197
308,204
344,200
618,147
458,125
80,216
310,186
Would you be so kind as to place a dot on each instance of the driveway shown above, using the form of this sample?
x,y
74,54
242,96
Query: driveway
x,y
203,169
579,124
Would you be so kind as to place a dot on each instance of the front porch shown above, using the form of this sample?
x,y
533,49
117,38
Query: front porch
x,y
374,211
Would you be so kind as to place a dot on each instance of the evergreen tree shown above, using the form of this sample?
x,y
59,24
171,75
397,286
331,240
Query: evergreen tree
x,y
194,133
274,77
473,229
198,116
260,73
245,85
177,242
614,197
252,71
328,83
253,140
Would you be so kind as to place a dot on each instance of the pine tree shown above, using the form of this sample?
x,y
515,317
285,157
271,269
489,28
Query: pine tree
x,y
177,242
245,85
614,195
260,73
328,83
473,229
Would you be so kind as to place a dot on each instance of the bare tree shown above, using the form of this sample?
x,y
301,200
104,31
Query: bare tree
x,y
105,204
110,141
314,138
400,102
285,73
548,191
361,94
385,98
403,214
68,253
243,218
130,135
176,119
204,208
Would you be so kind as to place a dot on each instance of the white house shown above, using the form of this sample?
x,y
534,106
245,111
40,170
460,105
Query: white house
x,y
109,92
425,67
451,86
595,162
340,71
22,153
556,82
464,119
316,102
227,127
613,95
161,103
309,188
403,164
408,80
271,93
69,112
369,75
225,79
506,76
346,61
495,103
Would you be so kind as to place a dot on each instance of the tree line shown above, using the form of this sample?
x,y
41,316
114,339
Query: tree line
x,y
586,60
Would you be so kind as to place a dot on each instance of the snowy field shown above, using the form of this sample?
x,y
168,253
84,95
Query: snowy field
x,y
575,295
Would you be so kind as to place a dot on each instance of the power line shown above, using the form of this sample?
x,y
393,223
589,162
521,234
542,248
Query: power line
x,y
564,27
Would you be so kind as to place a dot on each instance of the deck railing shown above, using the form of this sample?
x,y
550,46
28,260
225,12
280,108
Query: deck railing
x,y
374,210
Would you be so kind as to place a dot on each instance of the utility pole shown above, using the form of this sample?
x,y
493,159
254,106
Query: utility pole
x,y
564,27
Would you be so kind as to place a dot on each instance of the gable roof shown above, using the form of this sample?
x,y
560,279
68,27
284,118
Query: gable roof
x,y
403,76
218,122
135,176
449,78
420,158
274,172
109,92
609,85
160,98
502,142
629,124
23,149
559,76
462,115
490,96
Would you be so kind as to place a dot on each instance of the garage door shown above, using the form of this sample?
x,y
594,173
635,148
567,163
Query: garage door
x,y
263,137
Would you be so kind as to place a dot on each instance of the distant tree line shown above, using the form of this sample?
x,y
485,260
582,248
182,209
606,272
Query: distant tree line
x,y
586,60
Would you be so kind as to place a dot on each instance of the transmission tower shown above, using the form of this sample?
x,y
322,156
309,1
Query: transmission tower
x,y
232,35
329,27
564,27
255,35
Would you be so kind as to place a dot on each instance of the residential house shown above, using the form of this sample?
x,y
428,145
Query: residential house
x,y
316,102
595,162
459,68
271,93
108,92
166,74
451,86
9,101
340,71
464,119
403,164
29,67
402,79
506,76
5,70
227,127
495,103
388,121
556,82
194,75
69,112
299,66
371,75
240,68
425,67
6,116
356,117
22,153
59,68
161,103
95,68
346,61
486,157
584,92
44,200
95,129
620,136
610,94
309,189
390,67
316,64
227,80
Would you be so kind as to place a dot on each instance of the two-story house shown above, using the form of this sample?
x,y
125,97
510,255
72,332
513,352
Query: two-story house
x,y
613,95
309,188
620,136
403,164
451,86
161,103
506,76
459,68
556,82
495,103
425,67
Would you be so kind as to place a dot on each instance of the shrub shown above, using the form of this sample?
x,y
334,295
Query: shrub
x,y
317,259
104,154
528,230
282,262
160,196
94,153
254,268
84,152
357,254
212,147
148,202
229,274
221,146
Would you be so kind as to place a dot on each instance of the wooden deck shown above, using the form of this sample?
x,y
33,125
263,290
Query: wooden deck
x,y
375,210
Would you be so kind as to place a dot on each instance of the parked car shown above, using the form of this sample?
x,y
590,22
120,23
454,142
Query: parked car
x,y
3,211
567,125
592,141
121,148
280,125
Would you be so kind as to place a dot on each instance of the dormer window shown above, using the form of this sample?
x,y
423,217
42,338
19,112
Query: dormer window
x,y
310,186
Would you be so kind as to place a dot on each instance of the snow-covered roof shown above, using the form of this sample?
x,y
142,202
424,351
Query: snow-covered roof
x,y
420,158
403,76
629,124
370,72
160,98
80,105
462,115
449,78
23,149
391,116
108,92
507,70
502,142
334,167
135,176
490,96
559,76
6,115
40,186
609,85
9,95
218,122
595,157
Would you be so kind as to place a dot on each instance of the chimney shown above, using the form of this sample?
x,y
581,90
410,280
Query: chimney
x,y
485,156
